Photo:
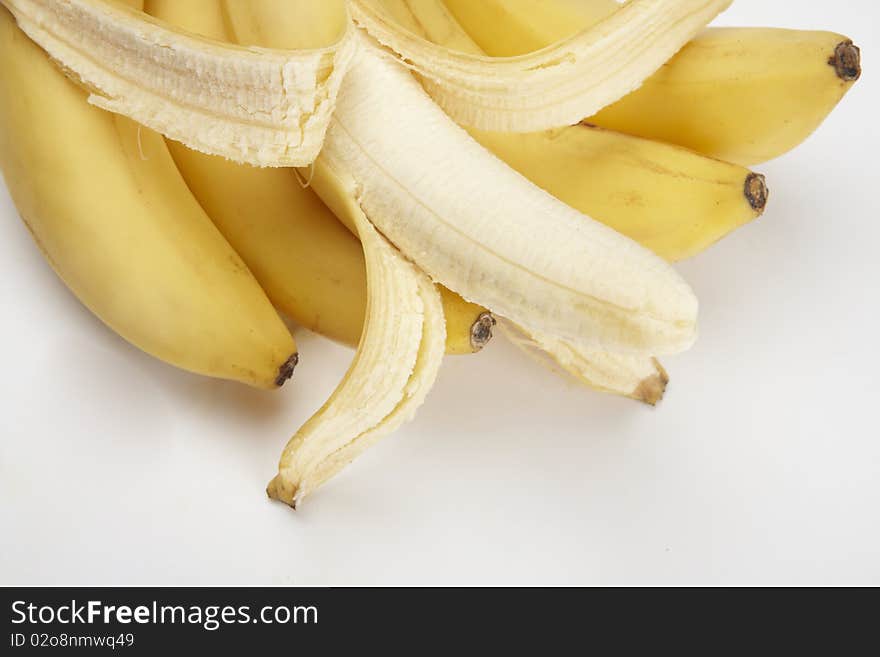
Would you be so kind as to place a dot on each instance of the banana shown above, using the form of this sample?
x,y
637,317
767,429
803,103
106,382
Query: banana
x,y
109,210
300,24
310,266
673,201
555,86
669,199
404,332
262,107
746,95
508,28
499,241
431,20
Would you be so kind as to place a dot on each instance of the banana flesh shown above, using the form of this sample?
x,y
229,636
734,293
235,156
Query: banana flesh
x,y
104,202
262,107
556,86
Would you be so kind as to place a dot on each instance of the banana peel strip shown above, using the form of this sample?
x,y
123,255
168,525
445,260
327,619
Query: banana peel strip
x,y
395,366
252,105
553,87
642,378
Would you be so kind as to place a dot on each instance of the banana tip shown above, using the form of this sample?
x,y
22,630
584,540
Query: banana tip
x,y
286,370
652,389
482,331
847,61
756,191
278,489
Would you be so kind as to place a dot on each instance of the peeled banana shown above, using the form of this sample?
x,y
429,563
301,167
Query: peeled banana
x,y
107,207
596,287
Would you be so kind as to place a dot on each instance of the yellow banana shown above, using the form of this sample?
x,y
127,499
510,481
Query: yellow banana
x,y
506,28
746,95
309,264
671,200
108,208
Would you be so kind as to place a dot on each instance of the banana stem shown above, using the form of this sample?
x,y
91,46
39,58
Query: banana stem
x,y
847,61
756,191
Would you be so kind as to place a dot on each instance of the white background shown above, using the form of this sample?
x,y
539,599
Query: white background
x,y
761,467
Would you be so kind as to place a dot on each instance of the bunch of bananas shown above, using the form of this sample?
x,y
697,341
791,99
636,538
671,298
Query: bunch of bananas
x,y
384,172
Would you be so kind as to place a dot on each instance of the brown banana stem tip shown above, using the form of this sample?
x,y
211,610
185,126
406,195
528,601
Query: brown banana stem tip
x,y
652,389
280,490
286,370
757,192
847,61
481,331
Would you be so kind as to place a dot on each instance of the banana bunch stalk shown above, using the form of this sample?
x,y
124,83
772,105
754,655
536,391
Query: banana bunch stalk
x,y
397,175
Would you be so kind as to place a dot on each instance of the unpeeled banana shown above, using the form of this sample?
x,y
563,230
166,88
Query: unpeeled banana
x,y
106,205
746,95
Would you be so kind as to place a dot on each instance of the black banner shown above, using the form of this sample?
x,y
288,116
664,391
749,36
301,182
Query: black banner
x,y
151,621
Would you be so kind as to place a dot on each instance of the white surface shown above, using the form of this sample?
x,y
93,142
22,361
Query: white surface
x,y
762,466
